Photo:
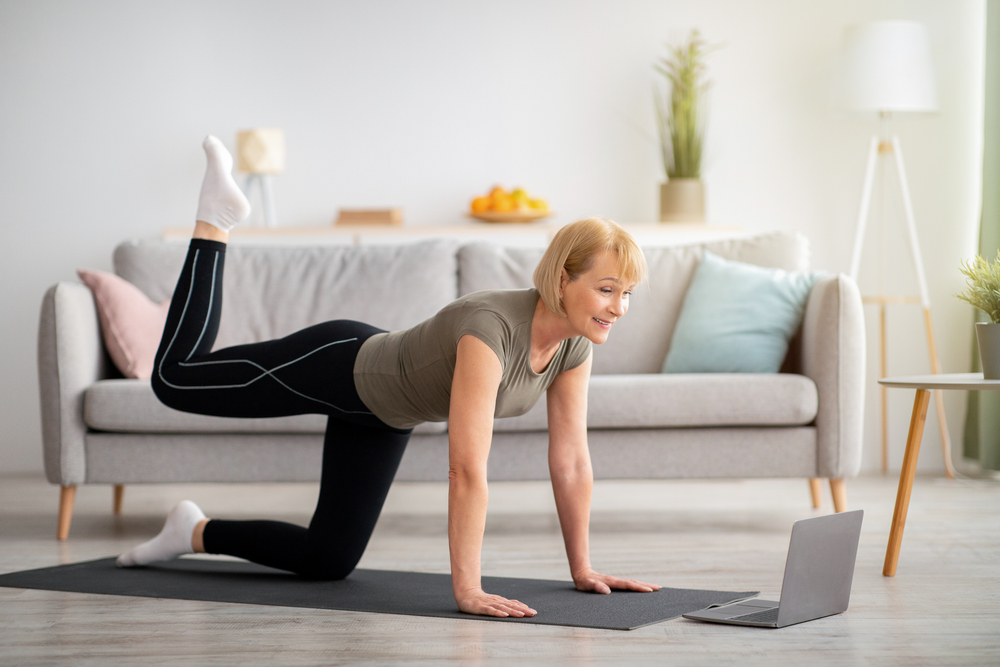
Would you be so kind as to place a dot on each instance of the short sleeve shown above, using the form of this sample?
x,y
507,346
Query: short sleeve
x,y
489,327
579,350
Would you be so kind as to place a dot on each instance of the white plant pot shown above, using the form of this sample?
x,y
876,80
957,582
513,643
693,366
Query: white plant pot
x,y
682,200
988,335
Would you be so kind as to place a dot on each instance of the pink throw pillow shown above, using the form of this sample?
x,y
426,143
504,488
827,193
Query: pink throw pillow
x,y
131,324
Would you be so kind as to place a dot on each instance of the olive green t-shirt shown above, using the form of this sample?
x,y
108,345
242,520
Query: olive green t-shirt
x,y
404,377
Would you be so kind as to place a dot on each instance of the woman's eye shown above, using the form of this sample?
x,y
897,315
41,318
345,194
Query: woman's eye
x,y
606,290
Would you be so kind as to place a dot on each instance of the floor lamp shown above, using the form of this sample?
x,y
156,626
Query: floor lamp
x,y
887,68
261,153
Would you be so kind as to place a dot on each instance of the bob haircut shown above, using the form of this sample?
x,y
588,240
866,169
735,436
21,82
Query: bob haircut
x,y
574,249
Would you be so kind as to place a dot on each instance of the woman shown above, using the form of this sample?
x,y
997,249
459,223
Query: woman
x,y
487,354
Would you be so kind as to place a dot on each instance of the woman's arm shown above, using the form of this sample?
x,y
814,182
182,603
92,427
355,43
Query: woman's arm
x,y
470,432
569,461
573,478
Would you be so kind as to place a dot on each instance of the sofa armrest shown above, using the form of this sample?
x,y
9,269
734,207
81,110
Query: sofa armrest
x,y
833,356
70,358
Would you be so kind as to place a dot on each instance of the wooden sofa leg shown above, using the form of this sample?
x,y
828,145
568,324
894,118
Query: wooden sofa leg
x,y
67,494
839,492
816,489
119,497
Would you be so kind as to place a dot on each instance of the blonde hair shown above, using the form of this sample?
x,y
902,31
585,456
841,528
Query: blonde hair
x,y
575,248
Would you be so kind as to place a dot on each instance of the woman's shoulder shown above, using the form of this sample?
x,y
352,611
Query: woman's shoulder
x,y
496,299
496,317
575,351
514,306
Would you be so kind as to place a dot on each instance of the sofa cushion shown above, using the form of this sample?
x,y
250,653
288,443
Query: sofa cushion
x,y
130,406
614,401
695,400
270,292
737,318
131,324
483,266
639,342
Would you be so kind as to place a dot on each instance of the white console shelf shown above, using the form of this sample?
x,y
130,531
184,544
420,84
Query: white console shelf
x,y
522,235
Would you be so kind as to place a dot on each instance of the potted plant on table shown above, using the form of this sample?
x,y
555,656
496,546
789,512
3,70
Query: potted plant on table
x,y
983,291
680,113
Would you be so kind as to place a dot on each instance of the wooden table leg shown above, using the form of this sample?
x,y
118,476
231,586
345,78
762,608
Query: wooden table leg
x,y
906,480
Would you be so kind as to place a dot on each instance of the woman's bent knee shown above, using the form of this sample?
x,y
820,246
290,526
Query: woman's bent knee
x,y
328,571
168,395
329,563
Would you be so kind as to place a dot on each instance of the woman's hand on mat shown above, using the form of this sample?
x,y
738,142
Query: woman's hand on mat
x,y
588,580
477,601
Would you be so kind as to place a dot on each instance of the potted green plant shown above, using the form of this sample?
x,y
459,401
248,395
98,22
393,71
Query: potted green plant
x,y
680,114
983,291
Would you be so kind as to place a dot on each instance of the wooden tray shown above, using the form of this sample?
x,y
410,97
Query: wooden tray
x,y
510,216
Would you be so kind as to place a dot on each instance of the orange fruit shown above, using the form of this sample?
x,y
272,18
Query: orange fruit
x,y
481,204
502,203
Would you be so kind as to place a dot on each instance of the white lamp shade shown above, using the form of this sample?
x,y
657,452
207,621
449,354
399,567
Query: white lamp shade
x,y
887,66
261,150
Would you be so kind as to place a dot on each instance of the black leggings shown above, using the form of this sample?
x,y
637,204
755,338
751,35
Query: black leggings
x,y
310,371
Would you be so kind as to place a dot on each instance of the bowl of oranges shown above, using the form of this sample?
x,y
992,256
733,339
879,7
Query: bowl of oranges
x,y
514,206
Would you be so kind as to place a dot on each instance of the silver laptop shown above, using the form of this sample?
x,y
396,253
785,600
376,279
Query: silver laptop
x,y
818,575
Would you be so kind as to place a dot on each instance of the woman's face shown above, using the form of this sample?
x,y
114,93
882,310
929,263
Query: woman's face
x,y
596,299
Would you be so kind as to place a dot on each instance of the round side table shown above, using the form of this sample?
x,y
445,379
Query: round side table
x,y
923,384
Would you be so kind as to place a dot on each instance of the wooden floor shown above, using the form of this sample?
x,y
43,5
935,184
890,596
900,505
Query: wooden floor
x,y
942,607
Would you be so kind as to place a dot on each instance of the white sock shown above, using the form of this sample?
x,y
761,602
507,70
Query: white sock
x,y
221,202
173,540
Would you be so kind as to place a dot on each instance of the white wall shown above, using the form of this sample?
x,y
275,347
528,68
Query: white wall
x,y
103,106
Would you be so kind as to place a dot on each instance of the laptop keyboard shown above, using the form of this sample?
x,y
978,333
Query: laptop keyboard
x,y
766,616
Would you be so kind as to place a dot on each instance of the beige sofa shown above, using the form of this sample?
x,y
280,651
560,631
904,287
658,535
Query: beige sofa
x,y
803,422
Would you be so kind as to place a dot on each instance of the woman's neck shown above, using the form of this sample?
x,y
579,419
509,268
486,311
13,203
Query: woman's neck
x,y
548,330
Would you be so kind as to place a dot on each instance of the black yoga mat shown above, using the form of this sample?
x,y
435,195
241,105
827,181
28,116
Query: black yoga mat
x,y
382,591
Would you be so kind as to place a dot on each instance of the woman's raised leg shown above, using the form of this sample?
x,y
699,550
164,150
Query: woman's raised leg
x,y
309,371
267,379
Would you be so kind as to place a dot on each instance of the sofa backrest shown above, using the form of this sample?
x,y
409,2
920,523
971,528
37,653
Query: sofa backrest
x,y
639,342
270,292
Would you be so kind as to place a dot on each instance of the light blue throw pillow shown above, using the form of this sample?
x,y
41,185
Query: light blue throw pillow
x,y
737,318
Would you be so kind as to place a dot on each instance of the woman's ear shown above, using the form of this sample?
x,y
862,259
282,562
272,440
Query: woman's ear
x,y
563,279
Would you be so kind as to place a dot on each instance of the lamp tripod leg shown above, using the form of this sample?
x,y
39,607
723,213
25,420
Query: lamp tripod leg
x,y
866,198
883,358
949,469
925,298
859,238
